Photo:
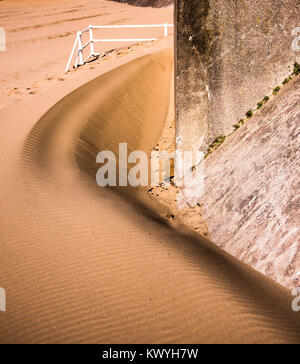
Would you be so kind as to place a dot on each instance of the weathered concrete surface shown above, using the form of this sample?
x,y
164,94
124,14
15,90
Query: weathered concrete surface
x,y
153,3
251,203
230,54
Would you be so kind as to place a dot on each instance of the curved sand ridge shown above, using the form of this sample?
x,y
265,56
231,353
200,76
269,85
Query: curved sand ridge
x,y
86,264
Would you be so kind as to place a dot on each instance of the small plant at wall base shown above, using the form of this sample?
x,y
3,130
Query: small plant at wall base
x,y
219,140
215,145
260,105
249,114
296,69
287,80
276,90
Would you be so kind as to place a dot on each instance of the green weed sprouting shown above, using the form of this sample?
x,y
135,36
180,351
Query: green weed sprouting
x,y
296,69
287,80
249,114
221,139
260,105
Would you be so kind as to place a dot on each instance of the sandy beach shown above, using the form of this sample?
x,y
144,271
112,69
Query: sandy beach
x,y
83,264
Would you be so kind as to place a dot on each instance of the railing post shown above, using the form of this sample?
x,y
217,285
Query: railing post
x,y
80,48
72,53
92,40
166,30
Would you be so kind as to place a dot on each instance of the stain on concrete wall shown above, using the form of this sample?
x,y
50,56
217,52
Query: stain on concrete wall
x,y
230,54
251,203
193,52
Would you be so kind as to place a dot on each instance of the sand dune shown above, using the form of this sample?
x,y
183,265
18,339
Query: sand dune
x,y
84,264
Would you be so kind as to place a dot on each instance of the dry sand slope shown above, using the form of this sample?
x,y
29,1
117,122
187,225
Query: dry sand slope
x,y
84,264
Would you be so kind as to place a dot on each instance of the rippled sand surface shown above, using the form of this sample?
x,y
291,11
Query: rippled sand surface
x,y
83,264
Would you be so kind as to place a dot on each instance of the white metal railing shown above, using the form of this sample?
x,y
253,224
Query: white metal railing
x,y
79,46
